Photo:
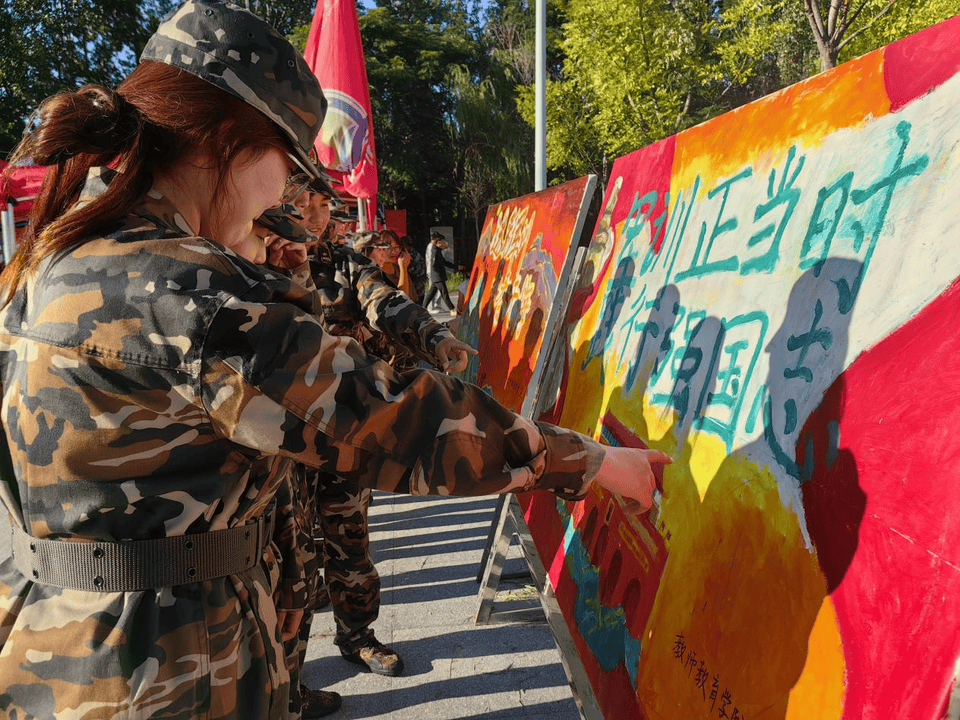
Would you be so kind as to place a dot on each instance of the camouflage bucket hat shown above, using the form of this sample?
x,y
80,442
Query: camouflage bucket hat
x,y
236,51
282,221
365,239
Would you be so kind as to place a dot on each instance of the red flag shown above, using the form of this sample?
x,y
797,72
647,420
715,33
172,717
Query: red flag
x,y
335,55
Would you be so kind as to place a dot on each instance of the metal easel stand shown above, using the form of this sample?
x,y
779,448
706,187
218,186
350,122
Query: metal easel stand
x,y
509,522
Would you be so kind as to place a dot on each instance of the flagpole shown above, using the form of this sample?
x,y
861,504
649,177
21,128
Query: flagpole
x,y
361,215
540,109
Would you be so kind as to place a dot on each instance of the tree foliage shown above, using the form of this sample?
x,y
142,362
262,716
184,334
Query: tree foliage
x,y
414,51
844,29
904,17
284,15
452,81
636,71
55,45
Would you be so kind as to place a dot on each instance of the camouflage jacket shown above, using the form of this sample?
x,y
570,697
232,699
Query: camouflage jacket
x,y
155,384
359,301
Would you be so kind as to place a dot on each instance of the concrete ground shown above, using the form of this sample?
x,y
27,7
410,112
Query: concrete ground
x,y
428,552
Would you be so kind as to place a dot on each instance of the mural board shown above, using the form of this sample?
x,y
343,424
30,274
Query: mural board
x,y
524,260
772,298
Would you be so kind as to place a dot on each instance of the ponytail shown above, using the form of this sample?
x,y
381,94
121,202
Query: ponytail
x,y
70,133
158,115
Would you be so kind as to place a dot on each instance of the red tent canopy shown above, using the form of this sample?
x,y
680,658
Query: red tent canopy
x,y
20,186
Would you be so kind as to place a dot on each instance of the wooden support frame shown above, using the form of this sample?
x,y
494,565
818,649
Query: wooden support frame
x,y
509,522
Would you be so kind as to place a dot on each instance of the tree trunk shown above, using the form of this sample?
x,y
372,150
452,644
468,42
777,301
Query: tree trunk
x,y
826,46
828,54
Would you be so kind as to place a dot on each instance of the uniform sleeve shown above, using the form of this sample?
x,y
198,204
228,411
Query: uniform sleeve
x,y
274,381
396,315
388,310
303,277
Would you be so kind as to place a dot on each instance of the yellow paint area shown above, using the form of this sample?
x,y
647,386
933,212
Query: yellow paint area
x,y
760,133
740,591
707,454
820,690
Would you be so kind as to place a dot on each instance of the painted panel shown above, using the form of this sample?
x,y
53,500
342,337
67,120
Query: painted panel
x,y
524,260
772,298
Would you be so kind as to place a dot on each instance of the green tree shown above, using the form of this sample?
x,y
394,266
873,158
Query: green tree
x,y
846,29
285,15
634,71
574,148
492,145
413,50
492,139
55,45
904,17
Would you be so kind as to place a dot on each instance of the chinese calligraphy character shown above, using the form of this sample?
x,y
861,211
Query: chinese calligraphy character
x,y
714,690
701,679
786,194
701,266
725,700
679,647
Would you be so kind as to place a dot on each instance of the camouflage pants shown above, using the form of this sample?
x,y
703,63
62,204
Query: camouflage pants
x,y
303,487
348,570
333,512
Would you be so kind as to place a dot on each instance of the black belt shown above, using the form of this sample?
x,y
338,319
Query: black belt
x,y
131,565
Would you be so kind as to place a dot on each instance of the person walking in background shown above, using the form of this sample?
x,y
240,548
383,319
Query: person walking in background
x,y
437,266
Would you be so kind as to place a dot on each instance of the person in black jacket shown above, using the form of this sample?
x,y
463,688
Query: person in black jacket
x,y
437,266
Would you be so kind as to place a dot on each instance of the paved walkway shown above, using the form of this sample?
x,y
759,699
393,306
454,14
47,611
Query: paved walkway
x,y
428,553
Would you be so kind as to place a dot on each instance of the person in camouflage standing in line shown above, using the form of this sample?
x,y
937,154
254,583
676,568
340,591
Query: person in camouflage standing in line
x,y
156,388
359,302
278,241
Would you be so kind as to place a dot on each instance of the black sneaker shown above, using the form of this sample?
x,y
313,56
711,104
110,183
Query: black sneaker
x,y
375,657
318,703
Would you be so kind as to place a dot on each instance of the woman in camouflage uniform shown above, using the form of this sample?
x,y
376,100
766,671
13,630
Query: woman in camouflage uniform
x,y
156,388
385,249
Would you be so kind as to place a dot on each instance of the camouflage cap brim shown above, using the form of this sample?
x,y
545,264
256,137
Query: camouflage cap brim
x,y
323,184
341,214
280,222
